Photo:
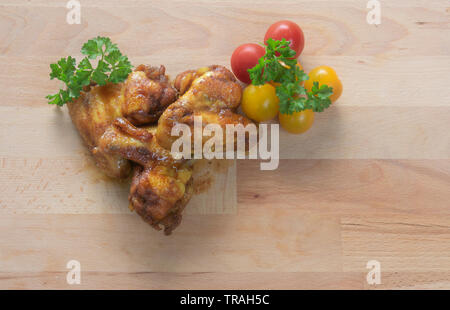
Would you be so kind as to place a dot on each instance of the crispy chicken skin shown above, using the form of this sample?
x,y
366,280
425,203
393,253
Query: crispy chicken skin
x,y
161,186
147,94
210,92
141,99
91,114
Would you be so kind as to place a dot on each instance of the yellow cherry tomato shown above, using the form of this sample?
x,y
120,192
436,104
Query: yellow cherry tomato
x,y
325,75
297,122
260,103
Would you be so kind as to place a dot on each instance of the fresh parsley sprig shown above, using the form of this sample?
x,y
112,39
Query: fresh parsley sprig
x,y
278,65
112,67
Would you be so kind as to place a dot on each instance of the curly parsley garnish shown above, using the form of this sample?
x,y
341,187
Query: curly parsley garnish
x,y
279,65
112,67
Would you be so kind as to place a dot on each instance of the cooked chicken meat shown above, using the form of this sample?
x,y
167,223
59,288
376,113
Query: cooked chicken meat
x,y
161,186
141,99
91,114
210,92
147,94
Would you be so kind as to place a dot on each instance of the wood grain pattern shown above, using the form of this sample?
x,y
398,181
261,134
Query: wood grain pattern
x,y
74,185
370,180
348,187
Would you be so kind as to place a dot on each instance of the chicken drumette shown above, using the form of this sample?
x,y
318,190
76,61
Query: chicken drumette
x,y
210,92
161,186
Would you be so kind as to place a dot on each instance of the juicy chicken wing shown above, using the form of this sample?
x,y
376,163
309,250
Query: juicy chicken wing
x,y
210,92
147,94
161,186
91,114
141,99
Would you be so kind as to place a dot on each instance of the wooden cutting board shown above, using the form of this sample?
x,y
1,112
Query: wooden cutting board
x,y
369,181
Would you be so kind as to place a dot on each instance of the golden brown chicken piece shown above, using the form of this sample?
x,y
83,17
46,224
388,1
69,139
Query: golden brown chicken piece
x,y
91,114
210,92
141,99
161,186
147,94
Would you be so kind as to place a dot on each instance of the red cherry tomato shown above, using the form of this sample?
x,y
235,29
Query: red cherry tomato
x,y
289,31
245,57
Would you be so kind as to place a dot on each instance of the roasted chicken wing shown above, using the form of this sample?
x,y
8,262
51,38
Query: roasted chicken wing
x,y
161,186
91,114
147,94
210,92
141,99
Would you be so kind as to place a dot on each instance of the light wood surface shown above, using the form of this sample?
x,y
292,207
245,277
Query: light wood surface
x,y
369,181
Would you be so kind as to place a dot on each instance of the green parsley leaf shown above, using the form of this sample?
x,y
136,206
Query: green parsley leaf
x,y
99,75
97,47
112,67
63,69
119,74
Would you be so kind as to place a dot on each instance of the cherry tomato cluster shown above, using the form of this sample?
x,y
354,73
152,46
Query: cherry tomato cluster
x,y
260,103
